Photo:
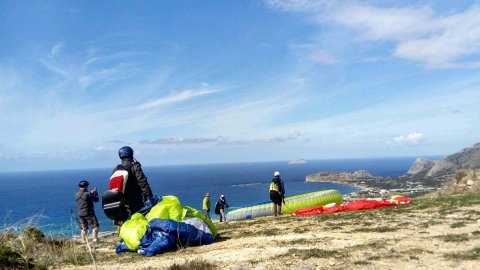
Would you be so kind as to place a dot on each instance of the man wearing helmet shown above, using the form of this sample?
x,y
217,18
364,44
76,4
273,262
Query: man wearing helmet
x,y
277,193
137,190
86,211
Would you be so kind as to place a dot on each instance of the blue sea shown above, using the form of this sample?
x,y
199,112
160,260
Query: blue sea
x,y
46,198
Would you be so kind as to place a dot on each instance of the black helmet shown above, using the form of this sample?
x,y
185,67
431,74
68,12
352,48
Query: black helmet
x,y
125,152
83,183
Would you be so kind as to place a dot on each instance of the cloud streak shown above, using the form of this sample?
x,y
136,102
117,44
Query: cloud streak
x,y
179,97
414,138
181,140
416,33
289,137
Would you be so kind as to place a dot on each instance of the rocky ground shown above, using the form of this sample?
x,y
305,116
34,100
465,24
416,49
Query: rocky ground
x,y
430,233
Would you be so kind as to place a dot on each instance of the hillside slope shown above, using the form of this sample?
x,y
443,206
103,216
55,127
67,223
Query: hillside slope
x,y
440,233
468,158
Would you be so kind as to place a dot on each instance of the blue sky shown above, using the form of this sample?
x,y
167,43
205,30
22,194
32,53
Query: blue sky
x,y
232,81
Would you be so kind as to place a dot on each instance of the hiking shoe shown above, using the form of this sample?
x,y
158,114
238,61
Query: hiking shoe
x,y
95,240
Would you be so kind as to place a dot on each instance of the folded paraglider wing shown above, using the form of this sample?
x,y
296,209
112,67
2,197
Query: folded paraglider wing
x,y
353,206
167,225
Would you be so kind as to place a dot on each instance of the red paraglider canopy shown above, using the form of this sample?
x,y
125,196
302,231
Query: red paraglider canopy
x,y
354,206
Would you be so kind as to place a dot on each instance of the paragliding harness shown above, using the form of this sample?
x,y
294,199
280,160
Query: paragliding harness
x,y
114,200
275,194
217,208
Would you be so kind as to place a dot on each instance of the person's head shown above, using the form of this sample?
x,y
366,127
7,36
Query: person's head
x,y
277,173
83,184
125,152
222,197
207,195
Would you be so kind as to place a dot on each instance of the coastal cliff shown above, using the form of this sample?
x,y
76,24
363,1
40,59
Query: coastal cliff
x,y
423,176
468,158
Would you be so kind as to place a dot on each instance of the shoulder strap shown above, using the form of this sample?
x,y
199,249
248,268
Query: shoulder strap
x,y
80,197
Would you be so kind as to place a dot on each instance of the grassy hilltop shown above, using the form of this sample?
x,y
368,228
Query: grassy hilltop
x,y
433,233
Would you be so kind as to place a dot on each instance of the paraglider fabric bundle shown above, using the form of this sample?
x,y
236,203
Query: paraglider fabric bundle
x,y
291,204
166,226
354,206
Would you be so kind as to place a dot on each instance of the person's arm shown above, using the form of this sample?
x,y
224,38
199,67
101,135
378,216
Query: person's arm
x,y
142,180
282,187
94,195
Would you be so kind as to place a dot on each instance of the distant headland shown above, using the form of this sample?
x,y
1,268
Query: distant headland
x,y
459,172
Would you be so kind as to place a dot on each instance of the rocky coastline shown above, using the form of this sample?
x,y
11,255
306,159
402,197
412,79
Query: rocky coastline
x,y
424,176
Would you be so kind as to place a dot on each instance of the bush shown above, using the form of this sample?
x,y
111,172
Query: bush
x,y
193,265
460,175
9,258
33,233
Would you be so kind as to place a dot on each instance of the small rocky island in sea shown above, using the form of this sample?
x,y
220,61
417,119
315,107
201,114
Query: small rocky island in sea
x,y
424,176
297,161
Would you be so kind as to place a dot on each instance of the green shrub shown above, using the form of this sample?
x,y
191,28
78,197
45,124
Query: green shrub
x,y
33,233
454,237
473,254
10,259
193,265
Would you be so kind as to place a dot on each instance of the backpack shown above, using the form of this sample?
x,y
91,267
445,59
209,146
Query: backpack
x,y
217,208
274,185
113,199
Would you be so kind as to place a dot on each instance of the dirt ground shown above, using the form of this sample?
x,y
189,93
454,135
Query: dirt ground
x,y
427,234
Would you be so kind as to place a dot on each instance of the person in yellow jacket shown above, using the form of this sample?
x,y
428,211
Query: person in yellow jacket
x,y
206,206
277,193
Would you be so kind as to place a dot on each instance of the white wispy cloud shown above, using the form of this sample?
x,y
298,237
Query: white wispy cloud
x,y
89,117
182,140
437,41
56,50
416,33
279,139
288,137
373,23
414,138
301,5
182,96
367,132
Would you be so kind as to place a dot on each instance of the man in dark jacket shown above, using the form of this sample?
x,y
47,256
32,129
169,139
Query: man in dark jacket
x,y
86,211
277,193
137,190
220,208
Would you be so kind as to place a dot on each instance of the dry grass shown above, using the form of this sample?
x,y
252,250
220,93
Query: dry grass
x,y
24,246
440,233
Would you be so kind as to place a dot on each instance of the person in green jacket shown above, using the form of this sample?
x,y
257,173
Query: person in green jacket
x,y
206,206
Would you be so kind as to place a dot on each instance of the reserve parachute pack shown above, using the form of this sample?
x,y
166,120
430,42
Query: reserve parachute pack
x,y
113,199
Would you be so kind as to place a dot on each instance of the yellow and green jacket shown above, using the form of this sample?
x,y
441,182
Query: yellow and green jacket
x,y
206,203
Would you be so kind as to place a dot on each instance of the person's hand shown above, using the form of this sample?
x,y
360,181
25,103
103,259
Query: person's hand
x,y
94,190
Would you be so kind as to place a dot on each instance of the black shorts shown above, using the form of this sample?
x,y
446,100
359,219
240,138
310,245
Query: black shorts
x,y
86,220
276,197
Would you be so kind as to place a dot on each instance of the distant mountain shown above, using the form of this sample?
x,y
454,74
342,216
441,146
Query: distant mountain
x,y
468,158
